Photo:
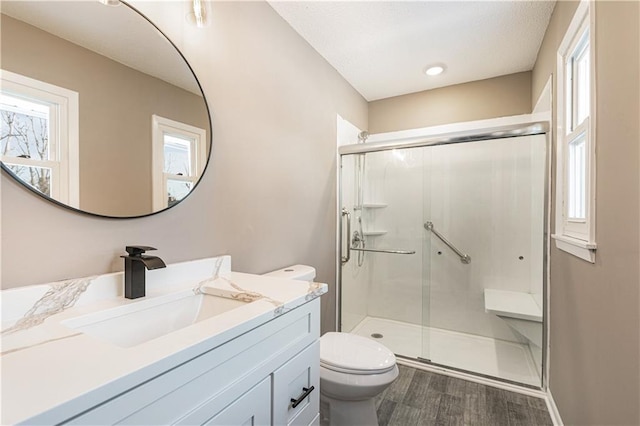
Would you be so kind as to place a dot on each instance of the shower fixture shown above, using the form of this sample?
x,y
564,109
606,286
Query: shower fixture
x,y
356,239
360,177
359,238
464,258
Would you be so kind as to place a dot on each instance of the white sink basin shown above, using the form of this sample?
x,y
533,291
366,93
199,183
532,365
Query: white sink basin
x,y
139,322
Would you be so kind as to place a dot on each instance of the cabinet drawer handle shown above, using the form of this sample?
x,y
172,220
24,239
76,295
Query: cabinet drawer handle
x,y
306,392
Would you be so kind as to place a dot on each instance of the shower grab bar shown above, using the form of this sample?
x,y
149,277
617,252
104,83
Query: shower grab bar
x,y
385,251
346,213
464,258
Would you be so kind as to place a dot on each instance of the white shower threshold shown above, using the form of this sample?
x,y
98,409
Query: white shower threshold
x,y
492,357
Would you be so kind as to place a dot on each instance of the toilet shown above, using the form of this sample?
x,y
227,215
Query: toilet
x,y
353,369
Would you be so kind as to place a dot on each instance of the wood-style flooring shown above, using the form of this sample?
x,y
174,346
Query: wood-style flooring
x,y
423,398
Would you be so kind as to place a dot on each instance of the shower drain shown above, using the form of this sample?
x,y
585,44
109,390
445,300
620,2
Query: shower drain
x,y
377,335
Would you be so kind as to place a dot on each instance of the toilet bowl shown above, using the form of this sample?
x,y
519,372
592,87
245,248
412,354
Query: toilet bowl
x,y
353,369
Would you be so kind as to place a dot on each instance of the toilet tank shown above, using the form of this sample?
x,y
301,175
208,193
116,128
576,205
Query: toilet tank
x,y
294,272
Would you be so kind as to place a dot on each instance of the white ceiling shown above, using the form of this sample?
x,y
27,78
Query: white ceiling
x,y
115,32
383,47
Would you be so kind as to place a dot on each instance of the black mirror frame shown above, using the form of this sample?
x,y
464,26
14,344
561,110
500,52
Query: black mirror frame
x,y
206,166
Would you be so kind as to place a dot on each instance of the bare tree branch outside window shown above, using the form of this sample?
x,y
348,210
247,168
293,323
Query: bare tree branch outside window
x,y
26,136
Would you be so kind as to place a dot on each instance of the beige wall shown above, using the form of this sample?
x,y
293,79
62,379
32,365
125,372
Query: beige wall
x,y
595,319
116,105
268,198
477,100
269,195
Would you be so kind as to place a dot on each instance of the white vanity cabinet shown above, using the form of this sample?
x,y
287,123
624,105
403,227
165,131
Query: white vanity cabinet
x,y
250,379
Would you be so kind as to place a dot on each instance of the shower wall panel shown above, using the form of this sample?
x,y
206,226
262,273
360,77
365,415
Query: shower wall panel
x,y
355,280
395,178
486,198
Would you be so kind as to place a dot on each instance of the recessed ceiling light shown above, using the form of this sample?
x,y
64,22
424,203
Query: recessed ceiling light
x,y
110,2
434,70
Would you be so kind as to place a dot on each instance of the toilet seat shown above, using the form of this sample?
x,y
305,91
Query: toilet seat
x,y
351,371
351,354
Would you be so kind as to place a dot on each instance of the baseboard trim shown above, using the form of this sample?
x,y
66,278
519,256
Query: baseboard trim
x,y
553,410
473,378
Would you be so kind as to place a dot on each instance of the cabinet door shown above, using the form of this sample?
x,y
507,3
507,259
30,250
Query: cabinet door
x,y
289,383
315,421
252,408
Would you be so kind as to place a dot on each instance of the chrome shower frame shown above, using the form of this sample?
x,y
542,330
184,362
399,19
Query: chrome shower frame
x,y
526,128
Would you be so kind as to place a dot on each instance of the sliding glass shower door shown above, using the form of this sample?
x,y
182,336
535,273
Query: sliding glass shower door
x,y
443,253
383,245
486,225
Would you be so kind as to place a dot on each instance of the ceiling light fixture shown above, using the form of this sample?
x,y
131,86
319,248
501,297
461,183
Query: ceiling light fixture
x,y
110,2
199,13
434,70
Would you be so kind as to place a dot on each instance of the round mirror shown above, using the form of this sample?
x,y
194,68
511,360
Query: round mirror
x,y
99,110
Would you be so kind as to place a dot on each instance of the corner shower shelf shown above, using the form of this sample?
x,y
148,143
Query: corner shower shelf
x,y
373,233
512,304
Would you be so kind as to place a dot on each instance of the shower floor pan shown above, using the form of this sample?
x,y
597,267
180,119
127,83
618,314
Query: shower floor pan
x,y
483,355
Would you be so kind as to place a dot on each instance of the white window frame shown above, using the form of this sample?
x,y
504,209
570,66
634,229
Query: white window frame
x,y
64,133
161,126
576,236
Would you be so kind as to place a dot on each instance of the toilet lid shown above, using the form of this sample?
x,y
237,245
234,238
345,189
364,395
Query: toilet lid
x,y
346,352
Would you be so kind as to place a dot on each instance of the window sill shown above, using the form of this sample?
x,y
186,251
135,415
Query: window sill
x,y
576,247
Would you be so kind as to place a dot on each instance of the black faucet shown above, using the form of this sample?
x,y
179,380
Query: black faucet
x,y
134,270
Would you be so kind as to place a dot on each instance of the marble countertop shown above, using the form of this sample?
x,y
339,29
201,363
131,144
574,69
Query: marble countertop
x,y
49,371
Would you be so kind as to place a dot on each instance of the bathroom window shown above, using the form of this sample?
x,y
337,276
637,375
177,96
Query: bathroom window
x,y
39,135
575,212
178,160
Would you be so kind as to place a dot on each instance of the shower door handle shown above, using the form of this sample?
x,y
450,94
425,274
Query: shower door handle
x,y
346,213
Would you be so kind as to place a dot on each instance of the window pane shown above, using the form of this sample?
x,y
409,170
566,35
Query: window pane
x,y
576,176
177,190
582,85
37,177
578,83
569,96
24,128
177,155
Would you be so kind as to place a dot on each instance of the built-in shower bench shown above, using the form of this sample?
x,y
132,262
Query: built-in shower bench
x,y
519,310
512,304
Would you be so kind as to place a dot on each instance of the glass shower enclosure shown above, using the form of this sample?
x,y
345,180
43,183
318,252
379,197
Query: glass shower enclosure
x,y
443,250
